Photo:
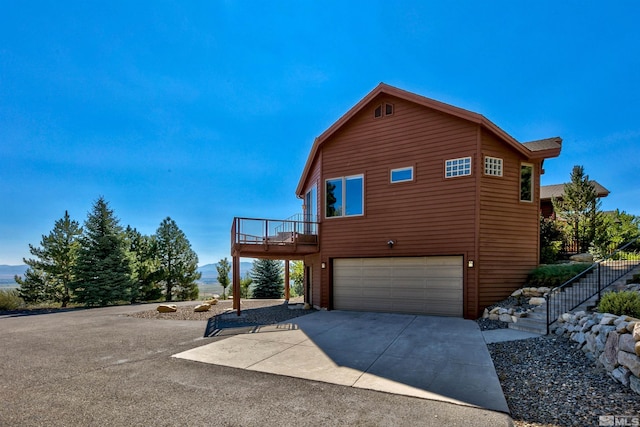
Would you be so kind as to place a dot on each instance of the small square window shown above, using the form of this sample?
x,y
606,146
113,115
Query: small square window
x,y
457,167
378,112
402,174
492,166
388,109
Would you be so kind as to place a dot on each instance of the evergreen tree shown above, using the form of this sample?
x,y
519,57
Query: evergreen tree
x,y
297,276
50,274
223,268
245,286
145,266
103,268
178,262
579,207
267,278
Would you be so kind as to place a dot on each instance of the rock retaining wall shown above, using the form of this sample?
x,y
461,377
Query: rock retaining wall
x,y
613,342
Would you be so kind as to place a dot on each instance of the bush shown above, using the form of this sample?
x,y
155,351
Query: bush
x,y
554,275
621,303
10,299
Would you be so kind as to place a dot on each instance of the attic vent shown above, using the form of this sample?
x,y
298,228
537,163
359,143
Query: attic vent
x,y
386,109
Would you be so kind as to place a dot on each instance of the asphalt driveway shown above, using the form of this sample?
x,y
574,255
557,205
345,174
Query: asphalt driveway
x,y
100,367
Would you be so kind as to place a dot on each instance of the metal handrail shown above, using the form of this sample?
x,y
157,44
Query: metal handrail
x,y
588,283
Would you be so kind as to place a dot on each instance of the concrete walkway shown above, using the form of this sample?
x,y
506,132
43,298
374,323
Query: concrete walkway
x,y
435,358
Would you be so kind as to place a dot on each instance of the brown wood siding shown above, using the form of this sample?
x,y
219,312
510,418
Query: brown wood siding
x,y
508,227
429,216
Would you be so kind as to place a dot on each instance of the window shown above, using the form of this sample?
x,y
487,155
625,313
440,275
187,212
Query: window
x,y
402,174
492,166
386,108
457,167
526,182
344,196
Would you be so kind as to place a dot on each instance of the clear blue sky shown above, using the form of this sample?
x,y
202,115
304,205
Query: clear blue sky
x,y
206,110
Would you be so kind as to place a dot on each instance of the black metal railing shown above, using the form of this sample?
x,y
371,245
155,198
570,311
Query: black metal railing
x,y
591,281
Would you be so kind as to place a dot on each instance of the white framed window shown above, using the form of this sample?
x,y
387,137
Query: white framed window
x,y
526,182
344,196
457,167
401,175
492,166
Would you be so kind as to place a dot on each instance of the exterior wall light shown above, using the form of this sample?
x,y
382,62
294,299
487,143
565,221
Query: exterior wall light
x,y
391,243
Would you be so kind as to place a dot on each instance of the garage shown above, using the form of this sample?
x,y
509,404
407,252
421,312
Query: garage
x,y
421,285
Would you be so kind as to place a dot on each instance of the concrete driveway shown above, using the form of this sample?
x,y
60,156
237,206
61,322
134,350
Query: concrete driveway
x,y
428,357
100,367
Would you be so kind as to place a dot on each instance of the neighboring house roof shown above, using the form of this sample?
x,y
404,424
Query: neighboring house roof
x,y
547,192
541,149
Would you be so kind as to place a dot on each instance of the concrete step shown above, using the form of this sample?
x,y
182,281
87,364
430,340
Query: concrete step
x,y
535,327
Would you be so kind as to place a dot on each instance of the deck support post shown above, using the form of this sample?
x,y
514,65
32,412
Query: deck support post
x,y
236,283
286,280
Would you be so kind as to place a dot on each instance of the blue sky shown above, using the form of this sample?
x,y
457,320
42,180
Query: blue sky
x,y
206,110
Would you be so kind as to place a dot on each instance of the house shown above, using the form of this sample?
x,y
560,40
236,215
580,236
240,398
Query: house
x,y
410,205
556,191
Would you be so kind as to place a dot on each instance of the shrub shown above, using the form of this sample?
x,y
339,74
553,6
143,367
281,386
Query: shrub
x,y
10,299
555,274
621,303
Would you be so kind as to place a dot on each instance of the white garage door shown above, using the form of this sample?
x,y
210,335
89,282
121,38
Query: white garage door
x,y
424,285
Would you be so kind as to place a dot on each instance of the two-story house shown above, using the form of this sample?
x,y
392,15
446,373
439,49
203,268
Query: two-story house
x,y
410,205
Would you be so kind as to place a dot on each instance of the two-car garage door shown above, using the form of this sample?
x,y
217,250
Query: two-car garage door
x,y
423,285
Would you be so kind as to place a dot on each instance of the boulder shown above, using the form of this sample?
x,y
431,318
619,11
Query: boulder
x,y
636,331
627,343
211,301
621,374
517,293
167,308
505,317
631,361
609,356
537,301
582,258
634,384
202,308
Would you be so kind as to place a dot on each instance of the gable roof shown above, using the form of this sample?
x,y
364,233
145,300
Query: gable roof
x,y
547,192
533,150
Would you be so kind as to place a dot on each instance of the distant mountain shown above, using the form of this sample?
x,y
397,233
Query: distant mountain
x,y
208,270
8,271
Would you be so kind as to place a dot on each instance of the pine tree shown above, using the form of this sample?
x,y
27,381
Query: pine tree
x,y
178,262
103,269
267,279
145,266
223,268
50,274
579,207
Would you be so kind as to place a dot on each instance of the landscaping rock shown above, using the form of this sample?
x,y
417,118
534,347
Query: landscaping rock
x,y
582,258
621,374
636,331
537,301
202,308
631,361
634,384
167,308
626,343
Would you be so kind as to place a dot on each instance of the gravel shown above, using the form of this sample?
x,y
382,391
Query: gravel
x,y
547,381
254,312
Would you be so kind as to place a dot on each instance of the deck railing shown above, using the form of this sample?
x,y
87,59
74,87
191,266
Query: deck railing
x,y
298,229
591,282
